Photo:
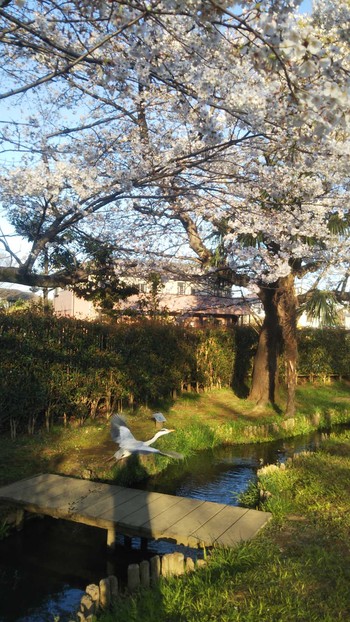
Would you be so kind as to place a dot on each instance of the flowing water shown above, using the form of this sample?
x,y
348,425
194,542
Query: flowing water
x,y
223,473
45,568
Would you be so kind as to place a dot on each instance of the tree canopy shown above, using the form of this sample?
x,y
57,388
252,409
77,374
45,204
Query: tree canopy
x,y
141,127
195,134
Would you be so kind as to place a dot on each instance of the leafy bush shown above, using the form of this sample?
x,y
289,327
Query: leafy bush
x,y
324,352
61,367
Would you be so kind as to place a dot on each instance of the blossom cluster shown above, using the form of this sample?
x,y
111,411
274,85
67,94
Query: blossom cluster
x,y
161,127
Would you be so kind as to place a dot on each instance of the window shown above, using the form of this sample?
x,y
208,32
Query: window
x,y
181,288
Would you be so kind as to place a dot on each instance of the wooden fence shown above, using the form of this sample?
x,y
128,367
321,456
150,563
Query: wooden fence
x,y
145,575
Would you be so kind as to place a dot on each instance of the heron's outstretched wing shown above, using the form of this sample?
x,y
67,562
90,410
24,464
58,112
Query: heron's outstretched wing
x,y
172,454
120,432
146,449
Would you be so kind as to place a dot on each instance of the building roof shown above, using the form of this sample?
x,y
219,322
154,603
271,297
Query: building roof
x,y
189,305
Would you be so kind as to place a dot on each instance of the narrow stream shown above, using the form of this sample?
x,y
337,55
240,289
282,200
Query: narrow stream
x,y
221,474
45,568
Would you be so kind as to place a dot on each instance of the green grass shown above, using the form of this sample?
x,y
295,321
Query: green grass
x,y
322,396
219,417
201,421
298,569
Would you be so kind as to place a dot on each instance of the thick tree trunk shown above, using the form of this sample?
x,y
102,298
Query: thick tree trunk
x,y
278,332
265,369
287,314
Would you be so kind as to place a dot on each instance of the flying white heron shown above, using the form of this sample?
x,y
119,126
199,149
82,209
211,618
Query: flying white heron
x,y
129,445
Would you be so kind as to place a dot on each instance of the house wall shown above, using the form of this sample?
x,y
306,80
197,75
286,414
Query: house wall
x,y
66,303
169,287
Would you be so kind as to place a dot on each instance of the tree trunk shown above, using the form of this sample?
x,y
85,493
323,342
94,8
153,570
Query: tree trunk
x,y
287,313
278,331
265,369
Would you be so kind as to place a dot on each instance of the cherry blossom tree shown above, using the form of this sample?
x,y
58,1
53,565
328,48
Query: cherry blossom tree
x,y
181,132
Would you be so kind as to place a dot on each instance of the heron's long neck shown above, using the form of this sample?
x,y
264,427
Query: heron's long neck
x,y
157,435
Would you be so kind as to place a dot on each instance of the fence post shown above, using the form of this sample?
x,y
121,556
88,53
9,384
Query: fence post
x,y
93,591
155,569
144,574
133,577
113,587
105,593
189,564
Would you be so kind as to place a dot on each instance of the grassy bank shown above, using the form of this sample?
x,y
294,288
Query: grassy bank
x,y
201,421
298,569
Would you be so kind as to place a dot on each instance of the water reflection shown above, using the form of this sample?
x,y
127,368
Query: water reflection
x,y
45,568
52,559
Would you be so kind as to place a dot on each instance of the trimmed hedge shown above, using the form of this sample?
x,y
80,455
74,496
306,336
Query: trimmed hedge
x,y
324,352
60,367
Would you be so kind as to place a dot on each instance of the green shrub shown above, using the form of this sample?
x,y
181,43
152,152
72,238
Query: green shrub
x,y
54,367
324,352
60,367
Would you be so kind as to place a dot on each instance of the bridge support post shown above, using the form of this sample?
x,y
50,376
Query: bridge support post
x,y
128,542
111,538
19,520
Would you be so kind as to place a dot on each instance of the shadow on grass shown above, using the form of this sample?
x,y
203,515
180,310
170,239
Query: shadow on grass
x,y
311,398
129,470
240,389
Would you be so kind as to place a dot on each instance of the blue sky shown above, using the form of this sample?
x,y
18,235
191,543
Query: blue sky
x,y
306,6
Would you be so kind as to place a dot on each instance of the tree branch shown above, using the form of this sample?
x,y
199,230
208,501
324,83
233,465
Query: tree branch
x,y
69,66
59,279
